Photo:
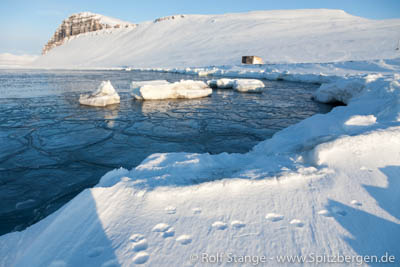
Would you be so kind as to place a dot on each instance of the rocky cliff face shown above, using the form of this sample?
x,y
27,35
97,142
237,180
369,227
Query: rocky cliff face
x,y
81,23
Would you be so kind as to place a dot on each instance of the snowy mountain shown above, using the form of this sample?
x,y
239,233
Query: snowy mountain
x,y
289,36
81,23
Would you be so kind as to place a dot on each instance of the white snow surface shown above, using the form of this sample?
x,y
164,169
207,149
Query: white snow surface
x,y
279,36
161,89
328,185
104,95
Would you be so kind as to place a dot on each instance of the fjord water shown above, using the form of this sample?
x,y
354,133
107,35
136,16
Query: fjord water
x,y
51,148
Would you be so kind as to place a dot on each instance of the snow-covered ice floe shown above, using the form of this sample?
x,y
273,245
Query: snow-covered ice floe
x,y
161,89
240,85
328,185
104,95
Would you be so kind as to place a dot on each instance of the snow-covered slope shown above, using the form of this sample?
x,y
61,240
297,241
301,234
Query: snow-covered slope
x,y
202,40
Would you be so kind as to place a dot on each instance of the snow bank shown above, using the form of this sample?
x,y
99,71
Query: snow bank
x,y
157,90
104,95
240,85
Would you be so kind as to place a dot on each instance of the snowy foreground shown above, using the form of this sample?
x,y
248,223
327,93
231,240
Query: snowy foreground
x,y
324,189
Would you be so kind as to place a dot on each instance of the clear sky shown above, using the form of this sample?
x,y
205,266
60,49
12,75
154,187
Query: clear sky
x,y
26,25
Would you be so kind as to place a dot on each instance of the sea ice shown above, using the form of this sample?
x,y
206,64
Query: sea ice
x,y
157,90
104,95
240,85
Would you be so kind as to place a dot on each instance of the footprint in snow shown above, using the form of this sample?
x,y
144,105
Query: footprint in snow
x,y
161,227
94,252
356,202
141,257
169,233
170,210
238,224
184,239
274,217
140,245
297,223
219,225
164,229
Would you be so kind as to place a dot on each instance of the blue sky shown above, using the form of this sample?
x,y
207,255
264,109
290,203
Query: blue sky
x,y
26,25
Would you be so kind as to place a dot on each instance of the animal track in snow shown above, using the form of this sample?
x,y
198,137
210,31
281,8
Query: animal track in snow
x,y
141,257
184,239
161,227
238,224
136,237
169,233
274,217
219,225
297,223
140,245
165,230
170,210
94,252
356,202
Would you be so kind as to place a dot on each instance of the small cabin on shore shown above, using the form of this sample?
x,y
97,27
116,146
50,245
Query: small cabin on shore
x,y
252,60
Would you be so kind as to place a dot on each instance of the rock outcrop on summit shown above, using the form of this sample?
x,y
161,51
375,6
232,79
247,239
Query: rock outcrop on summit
x,y
82,23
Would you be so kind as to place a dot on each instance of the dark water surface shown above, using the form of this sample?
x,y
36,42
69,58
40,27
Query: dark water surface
x,y
51,148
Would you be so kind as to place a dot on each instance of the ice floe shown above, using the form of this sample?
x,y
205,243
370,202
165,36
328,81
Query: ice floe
x,y
104,95
240,85
157,90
